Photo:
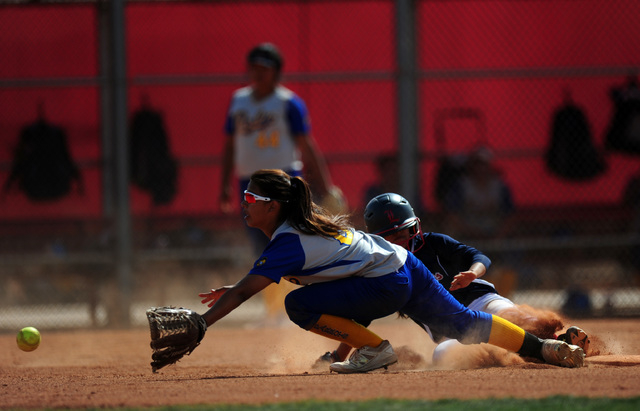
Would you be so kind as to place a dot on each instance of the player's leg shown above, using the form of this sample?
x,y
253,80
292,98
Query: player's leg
x,y
537,322
337,310
541,323
443,350
339,354
434,306
491,303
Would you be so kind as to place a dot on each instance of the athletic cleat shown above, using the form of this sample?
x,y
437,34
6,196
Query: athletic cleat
x,y
576,336
327,358
367,359
560,353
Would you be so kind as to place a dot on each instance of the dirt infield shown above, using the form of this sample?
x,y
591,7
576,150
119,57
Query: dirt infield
x,y
249,365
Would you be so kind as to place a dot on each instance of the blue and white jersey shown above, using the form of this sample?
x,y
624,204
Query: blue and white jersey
x,y
306,259
264,130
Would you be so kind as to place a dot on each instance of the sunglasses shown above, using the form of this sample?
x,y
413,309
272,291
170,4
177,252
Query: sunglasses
x,y
251,198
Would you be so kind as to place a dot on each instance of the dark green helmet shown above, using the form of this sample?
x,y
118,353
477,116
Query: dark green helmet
x,y
389,213
266,54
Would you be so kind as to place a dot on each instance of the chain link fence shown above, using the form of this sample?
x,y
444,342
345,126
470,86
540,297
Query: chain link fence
x,y
545,91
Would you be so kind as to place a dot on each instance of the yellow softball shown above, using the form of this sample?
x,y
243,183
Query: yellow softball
x,y
28,339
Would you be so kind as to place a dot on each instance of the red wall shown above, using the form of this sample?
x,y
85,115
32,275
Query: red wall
x,y
352,120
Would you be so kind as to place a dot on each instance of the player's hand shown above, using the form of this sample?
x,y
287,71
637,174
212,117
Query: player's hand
x,y
462,280
214,295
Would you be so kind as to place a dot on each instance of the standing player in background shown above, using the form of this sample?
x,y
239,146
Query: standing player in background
x,y
458,268
268,126
352,278
479,205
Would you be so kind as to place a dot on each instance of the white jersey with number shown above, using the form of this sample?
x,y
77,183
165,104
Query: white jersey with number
x,y
305,259
264,130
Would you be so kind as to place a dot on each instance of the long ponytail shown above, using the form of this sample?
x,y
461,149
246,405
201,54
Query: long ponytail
x,y
297,206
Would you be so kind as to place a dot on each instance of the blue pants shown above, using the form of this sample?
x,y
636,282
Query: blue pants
x,y
413,291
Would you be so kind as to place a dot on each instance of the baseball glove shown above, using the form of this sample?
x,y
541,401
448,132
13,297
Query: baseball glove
x,y
175,332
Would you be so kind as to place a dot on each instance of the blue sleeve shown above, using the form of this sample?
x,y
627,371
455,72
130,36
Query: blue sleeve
x,y
456,251
297,116
283,256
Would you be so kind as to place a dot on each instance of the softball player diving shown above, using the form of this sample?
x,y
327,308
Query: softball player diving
x,y
351,278
458,268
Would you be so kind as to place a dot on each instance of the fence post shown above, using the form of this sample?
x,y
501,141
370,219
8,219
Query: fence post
x,y
123,251
407,99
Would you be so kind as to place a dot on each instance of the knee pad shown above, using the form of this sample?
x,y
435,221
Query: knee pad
x,y
441,351
298,313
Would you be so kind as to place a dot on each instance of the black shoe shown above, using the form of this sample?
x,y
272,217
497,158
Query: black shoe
x,y
576,336
327,358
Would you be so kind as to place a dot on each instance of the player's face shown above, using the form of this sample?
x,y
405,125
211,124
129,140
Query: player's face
x,y
257,213
400,238
263,78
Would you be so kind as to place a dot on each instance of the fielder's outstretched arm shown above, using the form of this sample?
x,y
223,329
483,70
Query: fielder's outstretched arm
x,y
228,299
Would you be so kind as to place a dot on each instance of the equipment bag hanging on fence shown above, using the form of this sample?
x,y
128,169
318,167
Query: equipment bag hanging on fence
x,y
571,152
42,164
623,133
153,168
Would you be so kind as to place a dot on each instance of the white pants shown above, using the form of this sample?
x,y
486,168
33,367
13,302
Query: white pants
x,y
491,303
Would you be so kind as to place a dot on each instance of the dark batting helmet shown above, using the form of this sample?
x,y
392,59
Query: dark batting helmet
x,y
266,54
389,213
